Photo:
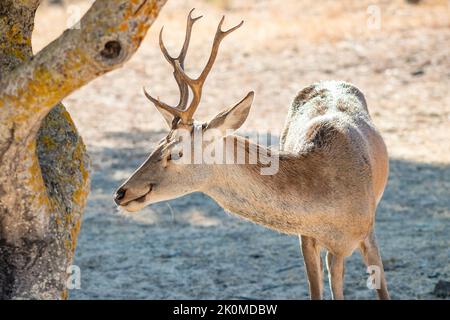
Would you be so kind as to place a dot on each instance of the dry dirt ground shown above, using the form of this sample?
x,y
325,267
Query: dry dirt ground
x,y
396,53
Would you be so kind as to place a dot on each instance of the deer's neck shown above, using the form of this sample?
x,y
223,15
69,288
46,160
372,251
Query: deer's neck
x,y
282,201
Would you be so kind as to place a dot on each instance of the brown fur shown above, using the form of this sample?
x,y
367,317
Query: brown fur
x,y
333,168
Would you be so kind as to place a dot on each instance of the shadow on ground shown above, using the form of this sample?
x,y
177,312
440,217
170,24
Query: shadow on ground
x,y
189,248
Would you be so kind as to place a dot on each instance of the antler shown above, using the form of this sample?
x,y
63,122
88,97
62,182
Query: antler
x,y
183,80
183,88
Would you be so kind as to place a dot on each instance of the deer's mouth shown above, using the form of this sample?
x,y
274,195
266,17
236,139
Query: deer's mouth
x,y
140,199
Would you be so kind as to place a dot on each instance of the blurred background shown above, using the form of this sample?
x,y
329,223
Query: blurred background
x,y
395,51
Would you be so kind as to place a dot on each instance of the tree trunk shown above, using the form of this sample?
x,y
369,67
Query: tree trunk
x,y
44,180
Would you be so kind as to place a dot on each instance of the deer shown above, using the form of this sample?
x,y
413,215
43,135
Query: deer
x,y
333,169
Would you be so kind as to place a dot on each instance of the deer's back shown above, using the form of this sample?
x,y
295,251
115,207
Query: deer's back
x,y
331,119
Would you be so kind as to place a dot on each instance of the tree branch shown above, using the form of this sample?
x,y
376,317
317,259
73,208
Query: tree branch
x,y
109,34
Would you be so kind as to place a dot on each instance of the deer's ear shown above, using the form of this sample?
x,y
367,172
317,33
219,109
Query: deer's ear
x,y
232,118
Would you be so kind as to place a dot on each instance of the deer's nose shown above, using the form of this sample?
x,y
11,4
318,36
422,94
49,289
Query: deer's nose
x,y
120,194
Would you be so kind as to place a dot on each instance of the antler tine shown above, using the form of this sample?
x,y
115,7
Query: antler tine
x,y
187,38
183,80
184,92
219,36
226,32
196,85
163,48
175,112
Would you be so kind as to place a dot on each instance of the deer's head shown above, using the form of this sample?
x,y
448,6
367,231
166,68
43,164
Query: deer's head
x,y
167,173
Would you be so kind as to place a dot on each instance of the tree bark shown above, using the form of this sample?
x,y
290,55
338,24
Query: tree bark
x,y
44,180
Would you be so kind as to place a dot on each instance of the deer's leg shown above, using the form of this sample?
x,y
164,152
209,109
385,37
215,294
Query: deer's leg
x,y
371,256
335,266
313,265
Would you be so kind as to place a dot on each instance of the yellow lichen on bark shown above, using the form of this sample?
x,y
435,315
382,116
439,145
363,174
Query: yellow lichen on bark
x,y
27,100
61,68
68,219
44,174
14,36
35,181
